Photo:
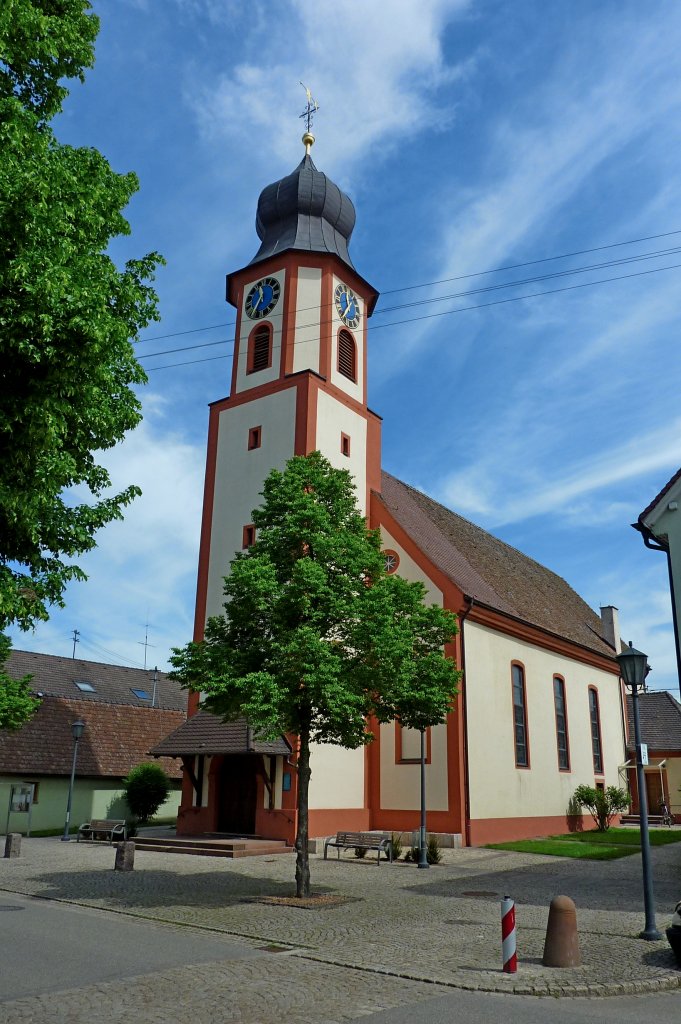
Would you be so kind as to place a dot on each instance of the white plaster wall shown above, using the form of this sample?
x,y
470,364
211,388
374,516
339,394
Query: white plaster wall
x,y
307,330
669,525
409,570
334,418
240,474
673,767
337,777
497,788
401,783
356,390
251,380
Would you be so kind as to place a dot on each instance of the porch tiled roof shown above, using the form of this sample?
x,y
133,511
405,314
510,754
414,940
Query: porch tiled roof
x,y
205,733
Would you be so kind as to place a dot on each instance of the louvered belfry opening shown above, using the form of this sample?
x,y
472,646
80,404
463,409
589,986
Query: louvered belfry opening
x,y
261,349
347,355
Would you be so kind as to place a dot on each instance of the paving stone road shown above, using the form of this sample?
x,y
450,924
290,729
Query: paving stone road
x,y
399,929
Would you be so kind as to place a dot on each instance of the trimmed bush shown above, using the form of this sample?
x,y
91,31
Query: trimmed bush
x,y
602,804
146,789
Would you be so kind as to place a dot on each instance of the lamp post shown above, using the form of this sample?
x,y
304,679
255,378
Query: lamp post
x,y
76,731
423,856
633,669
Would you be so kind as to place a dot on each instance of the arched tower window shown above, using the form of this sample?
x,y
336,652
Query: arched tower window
x,y
347,355
259,348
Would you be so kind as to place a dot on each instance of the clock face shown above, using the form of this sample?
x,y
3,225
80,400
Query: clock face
x,y
347,305
262,298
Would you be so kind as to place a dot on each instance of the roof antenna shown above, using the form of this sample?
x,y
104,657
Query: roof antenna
x,y
145,643
309,112
76,634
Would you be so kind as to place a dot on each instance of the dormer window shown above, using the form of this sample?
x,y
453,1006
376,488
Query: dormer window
x,y
259,349
347,356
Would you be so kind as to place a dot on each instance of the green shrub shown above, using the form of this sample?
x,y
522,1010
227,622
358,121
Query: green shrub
x,y
395,846
602,804
146,788
433,852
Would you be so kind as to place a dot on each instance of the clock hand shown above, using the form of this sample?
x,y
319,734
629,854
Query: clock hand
x,y
261,297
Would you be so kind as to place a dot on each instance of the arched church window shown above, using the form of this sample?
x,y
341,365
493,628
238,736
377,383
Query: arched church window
x,y
259,349
347,355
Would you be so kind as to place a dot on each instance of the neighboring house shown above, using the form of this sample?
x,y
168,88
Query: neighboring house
x,y
540,709
660,718
660,526
121,726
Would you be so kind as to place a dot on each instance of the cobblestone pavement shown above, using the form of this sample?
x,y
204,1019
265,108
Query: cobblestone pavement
x,y
398,929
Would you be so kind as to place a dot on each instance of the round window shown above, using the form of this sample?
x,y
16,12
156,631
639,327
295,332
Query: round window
x,y
392,561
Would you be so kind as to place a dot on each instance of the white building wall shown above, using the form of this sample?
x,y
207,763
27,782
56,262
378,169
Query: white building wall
x,y
244,380
337,777
308,327
240,473
356,389
334,418
497,788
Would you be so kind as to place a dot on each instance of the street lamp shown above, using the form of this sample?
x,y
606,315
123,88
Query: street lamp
x,y
423,856
76,731
633,669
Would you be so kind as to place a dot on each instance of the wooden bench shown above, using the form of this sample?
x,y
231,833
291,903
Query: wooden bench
x,y
102,830
361,841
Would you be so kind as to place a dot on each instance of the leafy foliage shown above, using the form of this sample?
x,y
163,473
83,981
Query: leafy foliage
x,y
315,639
603,805
396,845
16,703
67,314
433,852
146,788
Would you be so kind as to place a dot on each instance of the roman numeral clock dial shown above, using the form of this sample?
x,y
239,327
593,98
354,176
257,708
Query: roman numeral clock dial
x,y
262,298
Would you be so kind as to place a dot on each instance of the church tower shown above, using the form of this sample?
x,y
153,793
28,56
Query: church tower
x,y
299,375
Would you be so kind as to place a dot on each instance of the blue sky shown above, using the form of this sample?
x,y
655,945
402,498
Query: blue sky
x,y
471,135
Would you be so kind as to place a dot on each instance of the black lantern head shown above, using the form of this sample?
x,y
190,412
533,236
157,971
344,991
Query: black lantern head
x,y
633,666
77,729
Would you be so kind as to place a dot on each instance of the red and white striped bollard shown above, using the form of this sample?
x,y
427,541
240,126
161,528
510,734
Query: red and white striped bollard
x,y
508,941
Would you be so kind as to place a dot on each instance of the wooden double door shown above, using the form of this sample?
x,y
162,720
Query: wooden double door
x,y
237,794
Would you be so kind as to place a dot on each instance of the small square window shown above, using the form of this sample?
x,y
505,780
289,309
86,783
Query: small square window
x,y
249,536
254,438
345,445
85,687
141,694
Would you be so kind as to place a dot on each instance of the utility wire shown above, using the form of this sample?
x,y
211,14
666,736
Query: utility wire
x,y
454,295
110,654
459,309
447,280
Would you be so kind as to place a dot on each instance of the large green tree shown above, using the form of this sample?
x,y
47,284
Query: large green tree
x,y
68,314
316,640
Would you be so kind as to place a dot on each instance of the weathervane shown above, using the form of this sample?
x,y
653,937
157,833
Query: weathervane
x,y
309,112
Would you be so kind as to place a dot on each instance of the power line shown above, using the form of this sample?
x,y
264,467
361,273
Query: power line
x,y
447,280
453,295
110,654
459,309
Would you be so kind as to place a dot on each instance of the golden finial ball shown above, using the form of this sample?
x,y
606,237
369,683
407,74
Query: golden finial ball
x,y
308,140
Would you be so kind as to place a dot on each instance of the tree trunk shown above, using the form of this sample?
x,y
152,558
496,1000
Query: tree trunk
x,y
302,857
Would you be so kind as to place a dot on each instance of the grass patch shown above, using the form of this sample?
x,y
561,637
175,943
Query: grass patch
x,y
557,848
592,845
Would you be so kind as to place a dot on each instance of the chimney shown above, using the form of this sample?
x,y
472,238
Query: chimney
x,y
610,621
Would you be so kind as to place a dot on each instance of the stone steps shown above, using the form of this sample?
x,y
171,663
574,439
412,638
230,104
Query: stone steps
x,y
229,848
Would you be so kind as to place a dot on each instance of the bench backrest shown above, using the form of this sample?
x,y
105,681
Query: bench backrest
x,y
104,823
365,839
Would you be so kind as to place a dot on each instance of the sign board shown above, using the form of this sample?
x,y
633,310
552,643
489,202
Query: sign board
x,y
643,748
21,802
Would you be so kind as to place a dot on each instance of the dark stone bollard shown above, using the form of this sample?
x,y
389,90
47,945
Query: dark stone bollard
x,y
674,940
13,844
561,948
125,856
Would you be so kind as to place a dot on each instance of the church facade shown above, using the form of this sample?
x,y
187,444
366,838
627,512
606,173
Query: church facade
x,y
540,709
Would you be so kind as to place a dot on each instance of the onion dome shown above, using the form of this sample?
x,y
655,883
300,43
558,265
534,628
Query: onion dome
x,y
304,211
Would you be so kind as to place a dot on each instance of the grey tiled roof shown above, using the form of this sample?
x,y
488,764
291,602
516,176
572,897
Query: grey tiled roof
x,y
491,571
204,733
658,497
305,210
660,717
56,676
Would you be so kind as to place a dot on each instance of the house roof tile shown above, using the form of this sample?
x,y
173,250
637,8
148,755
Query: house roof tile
x,y
660,718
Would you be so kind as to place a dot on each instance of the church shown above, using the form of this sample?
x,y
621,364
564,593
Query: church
x,y
540,708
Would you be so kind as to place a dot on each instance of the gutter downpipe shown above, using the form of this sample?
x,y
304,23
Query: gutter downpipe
x,y
651,541
467,809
